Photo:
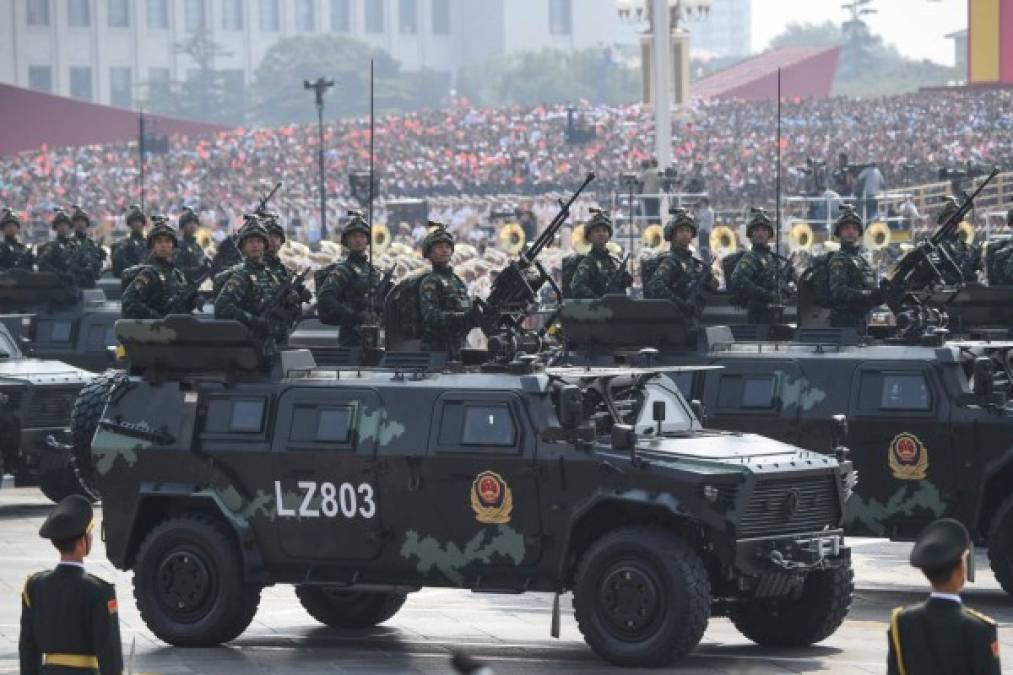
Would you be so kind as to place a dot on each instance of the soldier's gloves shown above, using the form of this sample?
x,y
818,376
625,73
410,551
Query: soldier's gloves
x,y
292,298
305,294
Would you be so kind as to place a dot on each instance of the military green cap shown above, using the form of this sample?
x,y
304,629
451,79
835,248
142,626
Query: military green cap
x,y
80,214
60,216
950,205
356,223
848,215
160,227
599,218
759,218
251,228
71,518
8,216
680,218
940,545
134,214
188,215
436,235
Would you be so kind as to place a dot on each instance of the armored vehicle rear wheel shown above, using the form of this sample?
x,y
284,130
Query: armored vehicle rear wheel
x,y
188,583
57,483
802,621
84,419
348,609
641,597
1000,545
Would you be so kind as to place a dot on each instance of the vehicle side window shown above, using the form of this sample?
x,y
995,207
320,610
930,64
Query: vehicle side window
x,y
330,424
894,391
478,424
749,391
227,415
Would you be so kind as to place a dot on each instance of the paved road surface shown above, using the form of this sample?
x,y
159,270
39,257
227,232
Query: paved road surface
x,y
510,632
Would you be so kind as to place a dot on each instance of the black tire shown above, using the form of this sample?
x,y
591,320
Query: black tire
x,y
641,597
84,419
57,483
803,621
1000,545
348,609
188,583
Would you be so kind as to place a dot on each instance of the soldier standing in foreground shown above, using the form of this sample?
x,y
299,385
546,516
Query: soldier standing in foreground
x,y
681,277
597,273
69,618
854,289
159,288
443,297
134,249
189,255
941,635
13,254
343,298
760,272
89,254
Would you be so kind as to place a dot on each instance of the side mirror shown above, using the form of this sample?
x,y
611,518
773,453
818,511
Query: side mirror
x,y
658,411
698,411
983,376
571,406
840,430
623,437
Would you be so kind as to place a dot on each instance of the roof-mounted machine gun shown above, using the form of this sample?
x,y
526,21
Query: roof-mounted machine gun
x,y
514,293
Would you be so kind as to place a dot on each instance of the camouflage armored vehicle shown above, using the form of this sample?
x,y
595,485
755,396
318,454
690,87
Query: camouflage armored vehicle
x,y
931,426
54,322
360,486
35,401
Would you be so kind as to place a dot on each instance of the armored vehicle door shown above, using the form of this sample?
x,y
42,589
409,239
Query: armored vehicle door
x,y
481,480
903,448
761,396
324,482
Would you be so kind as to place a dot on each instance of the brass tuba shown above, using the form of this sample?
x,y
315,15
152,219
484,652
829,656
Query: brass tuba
x,y
723,241
800,237
381,238
877,236
653,237
966,231
578,242
511,238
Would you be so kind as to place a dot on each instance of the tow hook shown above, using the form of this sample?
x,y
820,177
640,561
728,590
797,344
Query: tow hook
x,y
802,553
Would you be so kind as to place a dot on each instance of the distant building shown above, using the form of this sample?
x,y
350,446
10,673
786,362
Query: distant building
x,y
959,52
726,31
105,50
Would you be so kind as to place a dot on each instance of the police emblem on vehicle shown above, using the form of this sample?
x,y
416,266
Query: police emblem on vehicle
x,y
491,498
908,456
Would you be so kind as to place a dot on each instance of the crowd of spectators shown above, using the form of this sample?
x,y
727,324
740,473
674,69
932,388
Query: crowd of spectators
x,y
471,154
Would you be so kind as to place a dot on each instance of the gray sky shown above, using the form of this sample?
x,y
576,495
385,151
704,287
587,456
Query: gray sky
x,y
916,27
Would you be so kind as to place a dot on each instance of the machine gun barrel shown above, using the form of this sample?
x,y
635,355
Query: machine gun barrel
x,y
270,195
527,257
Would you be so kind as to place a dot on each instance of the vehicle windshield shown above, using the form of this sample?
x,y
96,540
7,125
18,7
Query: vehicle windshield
x,y
635,406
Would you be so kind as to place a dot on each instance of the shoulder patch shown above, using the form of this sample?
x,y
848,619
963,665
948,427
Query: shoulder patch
x,y
981,617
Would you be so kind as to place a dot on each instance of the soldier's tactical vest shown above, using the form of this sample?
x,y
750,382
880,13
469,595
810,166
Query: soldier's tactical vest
x,y
817,280
648,266
403,309
569,268
728,265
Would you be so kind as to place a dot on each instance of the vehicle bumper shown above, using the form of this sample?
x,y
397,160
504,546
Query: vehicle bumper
x,y
789,554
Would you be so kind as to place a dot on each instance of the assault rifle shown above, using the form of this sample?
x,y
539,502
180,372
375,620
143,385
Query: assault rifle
x,y
515,291
919,270
280,304
616,284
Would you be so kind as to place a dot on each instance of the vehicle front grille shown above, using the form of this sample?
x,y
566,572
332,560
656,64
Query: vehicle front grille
x,y
787,505
50,407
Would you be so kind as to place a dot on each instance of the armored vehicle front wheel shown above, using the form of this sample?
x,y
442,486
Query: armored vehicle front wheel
x,y
339,608
798,621
1000,545
641,597
188,583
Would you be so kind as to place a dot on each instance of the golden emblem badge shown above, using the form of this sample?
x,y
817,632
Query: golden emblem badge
x,y
909,458
491,498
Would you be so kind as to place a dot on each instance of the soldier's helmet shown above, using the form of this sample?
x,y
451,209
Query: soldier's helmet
x,y
160,227
251,228
271,223
599,218
759,218
848,215
135,214
188,215
357,223
60,216
680,218
8,216
80,214
437,234
949,207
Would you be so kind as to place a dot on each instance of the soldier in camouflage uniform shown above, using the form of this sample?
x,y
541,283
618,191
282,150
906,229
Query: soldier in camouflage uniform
x,y
597,273
159,288
227,255
681,277
760,272
249,287
854,288
134,249
443,298
966,258
189,256
90,255
13,254
276,239
343,298
60,256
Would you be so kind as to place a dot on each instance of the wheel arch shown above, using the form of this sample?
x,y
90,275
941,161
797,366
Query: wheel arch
x,y
997,486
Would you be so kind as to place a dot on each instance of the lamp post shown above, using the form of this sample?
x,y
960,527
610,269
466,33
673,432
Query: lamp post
x,y
319,87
